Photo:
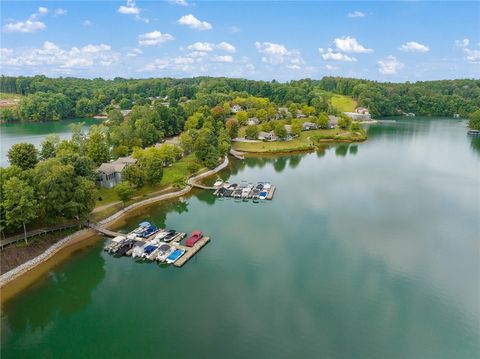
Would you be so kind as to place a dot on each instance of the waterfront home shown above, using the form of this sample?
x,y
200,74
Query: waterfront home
x,y
235,108
253,121
267,136
362,110
359,116
332,121
307,126
110,173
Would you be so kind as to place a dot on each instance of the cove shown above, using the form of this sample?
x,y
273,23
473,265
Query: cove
x,y
366,251
34,132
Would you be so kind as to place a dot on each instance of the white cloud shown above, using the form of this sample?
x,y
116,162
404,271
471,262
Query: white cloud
x,y
462,43
179,2
413,46
275,54
134,52
356,13
331,67
154,38
224,58
32,24
87,23
194,23
24,26
350,45
209,47
234,29
59,12
471,55
52,56
330,55
389,66
132,9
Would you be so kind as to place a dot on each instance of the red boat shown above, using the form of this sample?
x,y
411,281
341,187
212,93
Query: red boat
x,y
194,238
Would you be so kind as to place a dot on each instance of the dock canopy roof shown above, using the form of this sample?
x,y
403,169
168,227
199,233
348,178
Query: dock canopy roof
x,y
145,224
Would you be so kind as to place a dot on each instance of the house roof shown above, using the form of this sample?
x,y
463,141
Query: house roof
x,y
116,166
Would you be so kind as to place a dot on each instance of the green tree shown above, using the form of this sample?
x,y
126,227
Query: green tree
x,y
125,104
134,175
19,203
115,116
344,122
322,120
251,132
355,127
49,147
242,117
297,126
474,120
97,146
23,155
280,131
124,191
232,126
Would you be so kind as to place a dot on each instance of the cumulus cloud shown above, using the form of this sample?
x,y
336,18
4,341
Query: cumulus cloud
x,y
356,13
209,47
132,9
179,2
471,55
87,23
413,46
331,55
59,12
32,24
276,54
350,45
194,23
154,38
389,66
134,52
53,56
222,58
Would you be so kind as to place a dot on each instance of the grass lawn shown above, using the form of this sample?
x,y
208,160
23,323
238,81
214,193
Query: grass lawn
x,y
306,141
343,103
9,96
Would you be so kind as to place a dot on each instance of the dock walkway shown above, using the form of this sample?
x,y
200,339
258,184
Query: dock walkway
x,y
105,231
189,251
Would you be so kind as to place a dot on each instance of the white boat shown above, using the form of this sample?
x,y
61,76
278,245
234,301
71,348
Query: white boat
x,y
218,182
114,244
138,251
267,185
161,257
160,235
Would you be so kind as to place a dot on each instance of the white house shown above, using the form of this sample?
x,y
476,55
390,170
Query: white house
x,y
235,108
358,116
253,121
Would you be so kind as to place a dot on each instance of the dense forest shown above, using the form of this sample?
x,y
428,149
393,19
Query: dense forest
x,y
57,98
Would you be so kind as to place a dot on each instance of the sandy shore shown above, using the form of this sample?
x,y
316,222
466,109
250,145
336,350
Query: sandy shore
x,y
24,275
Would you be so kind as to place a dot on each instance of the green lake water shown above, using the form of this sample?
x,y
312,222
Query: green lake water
x,y
366,251
35,132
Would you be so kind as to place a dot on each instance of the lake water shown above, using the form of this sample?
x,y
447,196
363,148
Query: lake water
x,y
366,251
35,132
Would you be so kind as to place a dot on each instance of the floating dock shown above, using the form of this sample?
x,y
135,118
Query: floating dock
x,y
189,251
223,191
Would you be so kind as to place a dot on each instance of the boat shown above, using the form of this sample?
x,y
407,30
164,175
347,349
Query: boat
x,y
473,132
218,182
177,253
114,244
124,248
138,232
149,250
165,252
263,195
194,238
149,231
138,250
267,186
171,234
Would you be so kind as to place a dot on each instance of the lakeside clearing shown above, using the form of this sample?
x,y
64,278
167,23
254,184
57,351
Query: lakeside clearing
x,y
343,103
306,141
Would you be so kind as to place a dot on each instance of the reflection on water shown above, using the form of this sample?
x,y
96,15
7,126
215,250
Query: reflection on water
x,y
373,254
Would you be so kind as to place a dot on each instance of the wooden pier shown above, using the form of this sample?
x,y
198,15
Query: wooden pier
x,y
106,232
189,251
271,192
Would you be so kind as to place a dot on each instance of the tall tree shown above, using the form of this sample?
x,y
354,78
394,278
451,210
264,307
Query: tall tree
x,y
19,203
97,147
23,155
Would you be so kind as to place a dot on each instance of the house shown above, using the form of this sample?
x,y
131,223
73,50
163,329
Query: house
x,y
300,115
253,121
110,173
235,108
358,116
332,121
267,136
307,126
362,110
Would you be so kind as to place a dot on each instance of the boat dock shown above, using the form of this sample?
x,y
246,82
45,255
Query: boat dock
x,y
255,192
104,231
189,251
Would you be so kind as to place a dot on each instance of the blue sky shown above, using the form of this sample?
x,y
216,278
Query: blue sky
x,y
386,41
